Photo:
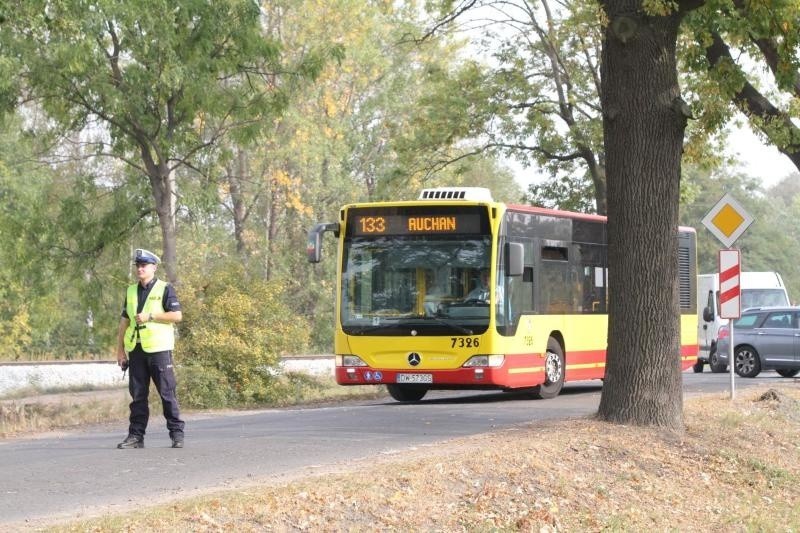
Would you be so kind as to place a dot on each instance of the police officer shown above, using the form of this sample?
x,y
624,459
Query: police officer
x,y
145,341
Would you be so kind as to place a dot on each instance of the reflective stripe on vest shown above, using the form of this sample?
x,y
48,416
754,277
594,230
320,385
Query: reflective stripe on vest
x,y
153,336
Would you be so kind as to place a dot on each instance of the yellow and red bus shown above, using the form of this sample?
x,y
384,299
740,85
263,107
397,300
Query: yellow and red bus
x,y
456,291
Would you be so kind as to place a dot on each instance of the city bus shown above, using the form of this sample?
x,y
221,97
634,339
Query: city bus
x,y
456,291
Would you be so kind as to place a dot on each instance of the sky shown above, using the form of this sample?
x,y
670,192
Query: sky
x,y
760,161
757,159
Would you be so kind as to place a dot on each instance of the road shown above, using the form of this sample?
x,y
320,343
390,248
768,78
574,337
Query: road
x,y
81,474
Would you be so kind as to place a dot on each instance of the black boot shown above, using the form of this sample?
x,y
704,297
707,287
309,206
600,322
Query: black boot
x,y
131,441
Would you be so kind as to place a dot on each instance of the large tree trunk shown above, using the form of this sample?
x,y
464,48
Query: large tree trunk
x,y
643,123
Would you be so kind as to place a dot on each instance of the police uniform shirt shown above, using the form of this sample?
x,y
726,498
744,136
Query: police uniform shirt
x,y
169,302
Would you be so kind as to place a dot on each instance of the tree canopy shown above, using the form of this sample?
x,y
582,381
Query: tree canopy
x,y
156,85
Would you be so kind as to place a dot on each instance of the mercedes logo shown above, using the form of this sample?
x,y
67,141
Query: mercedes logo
x,y
414,359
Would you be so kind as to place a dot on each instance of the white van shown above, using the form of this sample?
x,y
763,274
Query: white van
x,y
758,289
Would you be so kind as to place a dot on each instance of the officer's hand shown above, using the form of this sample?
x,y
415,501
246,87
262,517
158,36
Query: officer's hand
x,y
141,318
122,361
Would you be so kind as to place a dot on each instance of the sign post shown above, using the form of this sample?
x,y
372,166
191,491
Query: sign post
x,y
727,220
730,298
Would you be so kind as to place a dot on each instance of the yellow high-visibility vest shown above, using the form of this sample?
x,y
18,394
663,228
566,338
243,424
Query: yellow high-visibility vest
x,y
153,336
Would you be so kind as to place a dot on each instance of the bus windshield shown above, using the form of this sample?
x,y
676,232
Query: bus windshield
x,y
426,284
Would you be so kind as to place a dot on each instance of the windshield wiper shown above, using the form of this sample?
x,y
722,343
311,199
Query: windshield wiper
x,y
409,324
366,329
456,327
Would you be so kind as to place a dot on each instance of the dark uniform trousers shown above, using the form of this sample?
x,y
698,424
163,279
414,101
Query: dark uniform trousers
x,y
156,366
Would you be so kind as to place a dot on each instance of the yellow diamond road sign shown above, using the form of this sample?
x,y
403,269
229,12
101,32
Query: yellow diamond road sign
x,y
727,220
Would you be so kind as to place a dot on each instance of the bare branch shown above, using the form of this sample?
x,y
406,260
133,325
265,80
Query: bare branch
x,y
752,102
465,6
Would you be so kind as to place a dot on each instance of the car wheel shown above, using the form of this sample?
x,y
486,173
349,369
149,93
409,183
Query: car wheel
x,y
746,361
554,369
788,372
714,364
698,367
403,393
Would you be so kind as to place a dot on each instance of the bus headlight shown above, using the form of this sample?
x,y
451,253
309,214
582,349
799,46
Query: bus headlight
x,y
492,360
349,360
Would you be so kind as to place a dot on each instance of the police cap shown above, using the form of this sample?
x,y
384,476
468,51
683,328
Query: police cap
x,y
145,256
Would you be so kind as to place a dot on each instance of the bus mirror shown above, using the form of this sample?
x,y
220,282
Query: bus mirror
x,y
708,314
314,247
515,259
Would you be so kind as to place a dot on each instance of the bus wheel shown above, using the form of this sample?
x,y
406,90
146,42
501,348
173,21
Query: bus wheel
x,y
553,371
403,393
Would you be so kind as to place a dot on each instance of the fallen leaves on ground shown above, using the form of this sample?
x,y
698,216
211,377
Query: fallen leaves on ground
x,y
736,467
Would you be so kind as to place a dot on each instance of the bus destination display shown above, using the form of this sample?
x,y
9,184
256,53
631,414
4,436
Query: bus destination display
x,y
376,224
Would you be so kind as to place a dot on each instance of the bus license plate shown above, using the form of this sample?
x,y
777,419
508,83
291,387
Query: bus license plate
x,y
415,378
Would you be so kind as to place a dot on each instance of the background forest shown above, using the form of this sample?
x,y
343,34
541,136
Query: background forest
x,y
220,141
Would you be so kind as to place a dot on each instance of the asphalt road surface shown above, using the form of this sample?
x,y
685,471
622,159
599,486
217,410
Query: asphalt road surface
x,y
78,474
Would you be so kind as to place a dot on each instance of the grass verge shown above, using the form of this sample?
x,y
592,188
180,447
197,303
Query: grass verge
x,y
48,412
736,467
33,411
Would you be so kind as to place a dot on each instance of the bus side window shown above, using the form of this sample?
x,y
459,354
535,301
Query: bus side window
x,y
591,276
555,285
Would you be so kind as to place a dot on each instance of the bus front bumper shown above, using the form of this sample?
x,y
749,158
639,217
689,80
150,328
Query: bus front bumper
x,y
488,377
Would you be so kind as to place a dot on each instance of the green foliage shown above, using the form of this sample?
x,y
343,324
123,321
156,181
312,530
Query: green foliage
x,y
149,92
544,99
760,52
67,229
204,387
235,328
158,85
15,329
569,193
8,84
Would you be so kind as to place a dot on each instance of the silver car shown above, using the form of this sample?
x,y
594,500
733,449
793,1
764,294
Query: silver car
x,y
765,338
